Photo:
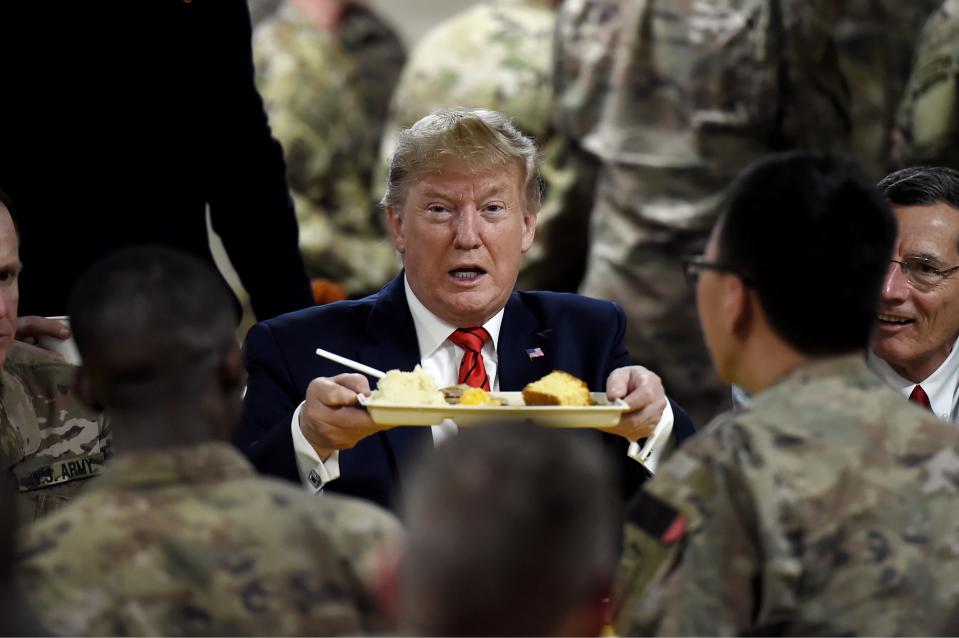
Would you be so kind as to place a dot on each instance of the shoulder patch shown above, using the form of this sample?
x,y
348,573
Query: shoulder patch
x,y
657,518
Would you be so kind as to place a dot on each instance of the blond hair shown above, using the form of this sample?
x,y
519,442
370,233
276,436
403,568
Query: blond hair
x,y
480,139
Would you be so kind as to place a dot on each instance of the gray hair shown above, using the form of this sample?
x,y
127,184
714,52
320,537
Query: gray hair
x,y
526,517
479,138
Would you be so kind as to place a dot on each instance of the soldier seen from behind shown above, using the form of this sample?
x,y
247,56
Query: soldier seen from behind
x,y
179,536
513,531
828,506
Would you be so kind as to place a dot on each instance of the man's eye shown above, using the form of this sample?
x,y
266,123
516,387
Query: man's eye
x,y
6,275
923,268
437,208
495,208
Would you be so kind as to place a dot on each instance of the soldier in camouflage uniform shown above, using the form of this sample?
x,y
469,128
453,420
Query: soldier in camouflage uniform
x,y
875,40
828,506
49,440
696,90
497,55
327,92
928,117
179,536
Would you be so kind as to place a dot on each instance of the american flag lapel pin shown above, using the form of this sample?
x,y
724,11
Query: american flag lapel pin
x,y
534,353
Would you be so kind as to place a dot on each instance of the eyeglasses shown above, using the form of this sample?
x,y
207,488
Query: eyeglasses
x,y
921,273
693,265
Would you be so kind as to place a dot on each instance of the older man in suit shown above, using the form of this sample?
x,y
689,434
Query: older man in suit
x,y
461,204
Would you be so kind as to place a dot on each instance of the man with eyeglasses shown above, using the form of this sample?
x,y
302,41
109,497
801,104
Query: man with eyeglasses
x,y
827,507
913,347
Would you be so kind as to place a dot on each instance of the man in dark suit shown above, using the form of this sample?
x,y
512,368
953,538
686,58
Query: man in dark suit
x,y
461,204
121,122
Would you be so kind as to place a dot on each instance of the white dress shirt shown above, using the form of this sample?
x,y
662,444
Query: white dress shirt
x,y
942,386
440,358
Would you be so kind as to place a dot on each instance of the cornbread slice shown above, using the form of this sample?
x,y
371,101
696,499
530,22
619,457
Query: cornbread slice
x,y
557,388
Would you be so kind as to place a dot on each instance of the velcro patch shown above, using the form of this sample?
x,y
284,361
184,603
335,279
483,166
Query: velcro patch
x,y
657,518
79,467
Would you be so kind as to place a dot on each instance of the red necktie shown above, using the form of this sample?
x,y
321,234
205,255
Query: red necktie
x,y
919,397
472,368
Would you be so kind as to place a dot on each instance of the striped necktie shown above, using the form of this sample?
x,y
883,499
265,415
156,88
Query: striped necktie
x,y
472,368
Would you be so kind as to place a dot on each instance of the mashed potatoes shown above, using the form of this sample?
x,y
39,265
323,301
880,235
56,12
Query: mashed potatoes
x,y
408,388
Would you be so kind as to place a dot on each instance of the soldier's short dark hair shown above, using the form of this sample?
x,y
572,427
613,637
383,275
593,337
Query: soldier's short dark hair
x,y
509,526
157,318
813,237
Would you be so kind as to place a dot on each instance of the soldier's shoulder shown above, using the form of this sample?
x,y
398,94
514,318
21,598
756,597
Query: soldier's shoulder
x,y
342,517
35,366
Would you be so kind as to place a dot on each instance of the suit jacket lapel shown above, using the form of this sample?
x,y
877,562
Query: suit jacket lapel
x,y
391,335
392,345
521,333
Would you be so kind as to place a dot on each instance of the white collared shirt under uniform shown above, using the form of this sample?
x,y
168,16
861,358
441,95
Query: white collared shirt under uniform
x,y
440,358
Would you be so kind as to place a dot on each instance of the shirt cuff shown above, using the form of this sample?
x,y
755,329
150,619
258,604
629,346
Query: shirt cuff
x,y
314,473
652,450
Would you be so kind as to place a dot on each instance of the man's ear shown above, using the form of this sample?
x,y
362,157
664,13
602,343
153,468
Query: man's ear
x,y
85,389
738,310
232,373
395,222
529,229
385,582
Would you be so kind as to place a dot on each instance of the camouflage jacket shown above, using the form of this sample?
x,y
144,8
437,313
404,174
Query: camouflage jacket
x,y
928,117
827,508
698,90
327,96
189,541
50,441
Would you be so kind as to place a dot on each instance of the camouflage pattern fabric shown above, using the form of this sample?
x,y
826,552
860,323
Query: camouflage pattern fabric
x,y
189,541
928,118
876,40
826,508
695,92
498,55
327,96
50,441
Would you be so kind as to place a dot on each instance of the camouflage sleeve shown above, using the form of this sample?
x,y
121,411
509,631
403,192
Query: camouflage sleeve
x,y
927,121
814,105
690,561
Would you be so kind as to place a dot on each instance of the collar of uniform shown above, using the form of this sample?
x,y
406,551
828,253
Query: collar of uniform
x,y
850,367
431,331
204,463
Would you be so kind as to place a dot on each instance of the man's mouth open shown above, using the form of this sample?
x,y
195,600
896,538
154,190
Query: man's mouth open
x,y
467,275
893,321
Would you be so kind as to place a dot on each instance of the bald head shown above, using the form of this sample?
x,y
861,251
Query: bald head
x,y
9,277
